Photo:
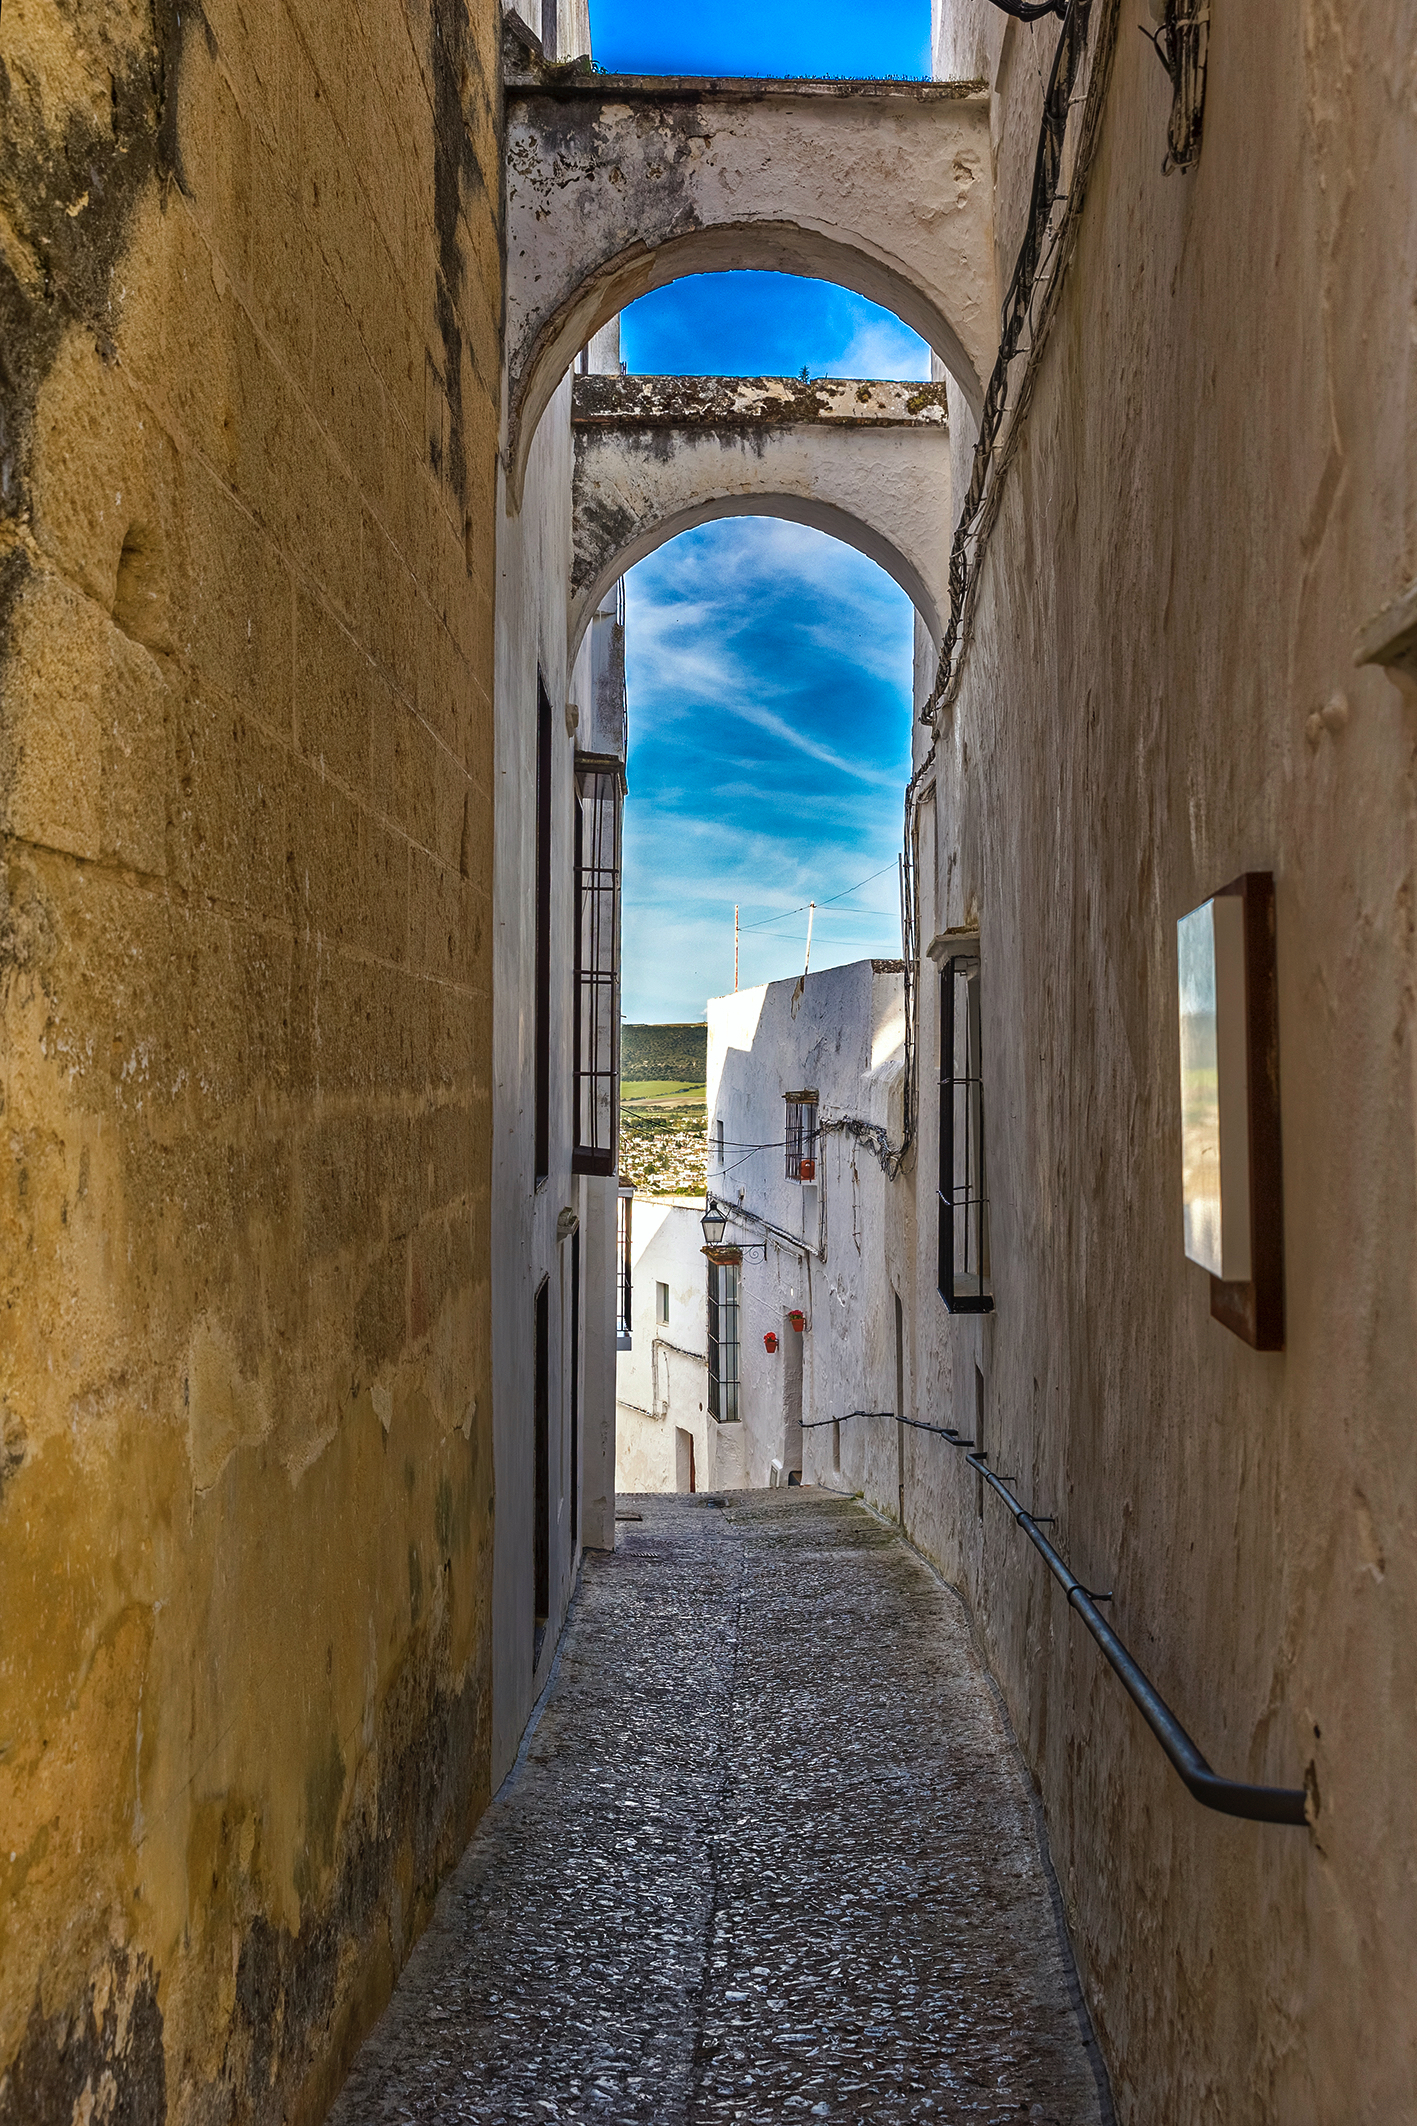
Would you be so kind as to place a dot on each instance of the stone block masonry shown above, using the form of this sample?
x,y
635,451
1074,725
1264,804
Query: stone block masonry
x,y
250,291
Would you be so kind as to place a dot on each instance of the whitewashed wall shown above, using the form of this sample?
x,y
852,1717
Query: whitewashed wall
x,y
1215,492
533,580
828,1250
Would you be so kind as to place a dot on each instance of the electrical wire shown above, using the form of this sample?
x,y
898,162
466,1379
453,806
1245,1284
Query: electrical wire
x,y
1030,302
827,903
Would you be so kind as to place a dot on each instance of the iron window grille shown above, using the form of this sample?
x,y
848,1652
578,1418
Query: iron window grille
x,y
542,1084
724,1342
964,1276
624,1213
801,1136
600,798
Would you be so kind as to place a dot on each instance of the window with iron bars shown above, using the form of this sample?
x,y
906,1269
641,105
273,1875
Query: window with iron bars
x,y
600,797
724,1342
801,1136
624,1211
964,1279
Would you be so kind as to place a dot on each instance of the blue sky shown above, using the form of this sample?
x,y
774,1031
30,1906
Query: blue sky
x,y
769,666
850,37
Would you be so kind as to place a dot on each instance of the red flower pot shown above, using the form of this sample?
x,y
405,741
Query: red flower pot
x,y
807,1169
798,1319
769,1341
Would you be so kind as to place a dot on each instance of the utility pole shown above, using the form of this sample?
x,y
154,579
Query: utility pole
x,y
735,948
811,918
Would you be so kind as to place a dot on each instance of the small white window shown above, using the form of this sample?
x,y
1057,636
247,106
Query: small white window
x,y
661,1302
718,1141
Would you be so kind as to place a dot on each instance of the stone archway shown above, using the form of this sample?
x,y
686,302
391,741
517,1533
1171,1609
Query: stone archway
x,y
866,462
617,185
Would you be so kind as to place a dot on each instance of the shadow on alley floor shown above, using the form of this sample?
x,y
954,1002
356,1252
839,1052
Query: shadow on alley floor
x,y
768,1854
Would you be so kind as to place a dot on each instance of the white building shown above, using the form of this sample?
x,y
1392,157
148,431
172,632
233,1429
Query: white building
x,y
805,1091
665,1439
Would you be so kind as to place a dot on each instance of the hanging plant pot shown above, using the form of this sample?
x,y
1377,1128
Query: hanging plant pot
x,y
807,1169
770,1341
798,1319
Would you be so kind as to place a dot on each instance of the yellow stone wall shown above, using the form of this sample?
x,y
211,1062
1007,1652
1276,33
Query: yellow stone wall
x,y
250,293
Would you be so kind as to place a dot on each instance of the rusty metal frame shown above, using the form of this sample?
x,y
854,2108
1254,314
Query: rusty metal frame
x,y
1182,42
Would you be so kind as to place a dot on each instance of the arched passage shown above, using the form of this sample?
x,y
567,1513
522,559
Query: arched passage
x,y
618,186
866,462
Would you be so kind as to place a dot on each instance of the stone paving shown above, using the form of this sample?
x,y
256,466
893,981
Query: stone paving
x,y
769,1854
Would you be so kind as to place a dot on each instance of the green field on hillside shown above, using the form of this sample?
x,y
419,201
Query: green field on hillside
x,y
655,1054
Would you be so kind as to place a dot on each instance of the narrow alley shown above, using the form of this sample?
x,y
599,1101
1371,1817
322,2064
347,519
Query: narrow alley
x,y
768,1852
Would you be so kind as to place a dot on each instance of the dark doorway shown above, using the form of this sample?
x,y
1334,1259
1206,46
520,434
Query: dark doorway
x,y
791,1398
543,932
575,1388
900,1407
541,1535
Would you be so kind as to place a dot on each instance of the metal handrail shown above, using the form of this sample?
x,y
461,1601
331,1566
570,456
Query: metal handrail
x,y
1230,1797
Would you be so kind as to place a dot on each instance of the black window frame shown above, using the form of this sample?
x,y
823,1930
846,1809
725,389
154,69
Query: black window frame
x,y
725,1385
599,846
624,1272
963,1265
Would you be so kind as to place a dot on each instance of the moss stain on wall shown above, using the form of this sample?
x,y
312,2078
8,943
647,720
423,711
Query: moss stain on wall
x,y
245,668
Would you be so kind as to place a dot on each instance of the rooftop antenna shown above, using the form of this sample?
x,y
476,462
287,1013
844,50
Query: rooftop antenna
x,y
800,986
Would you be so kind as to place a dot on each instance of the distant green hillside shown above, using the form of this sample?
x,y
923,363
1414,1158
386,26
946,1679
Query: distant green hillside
x,y
664,1052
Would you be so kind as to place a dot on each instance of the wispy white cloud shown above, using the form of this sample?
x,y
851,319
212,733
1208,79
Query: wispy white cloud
x,y
769,707
881,346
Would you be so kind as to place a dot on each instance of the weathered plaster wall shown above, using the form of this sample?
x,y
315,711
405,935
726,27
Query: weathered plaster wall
x,y
1217,488
533,1243
533,563
867,462
616,185
249,375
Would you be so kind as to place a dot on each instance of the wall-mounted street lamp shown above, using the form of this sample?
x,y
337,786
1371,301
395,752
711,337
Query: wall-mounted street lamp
x,y
714,1222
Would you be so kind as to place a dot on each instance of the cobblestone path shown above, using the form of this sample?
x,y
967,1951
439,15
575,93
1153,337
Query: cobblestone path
x,y
769,1855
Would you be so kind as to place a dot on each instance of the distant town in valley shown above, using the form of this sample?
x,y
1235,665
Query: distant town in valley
x,y
663,1112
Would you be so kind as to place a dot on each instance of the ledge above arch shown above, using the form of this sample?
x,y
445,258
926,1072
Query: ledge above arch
x,y
867,462
620,184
